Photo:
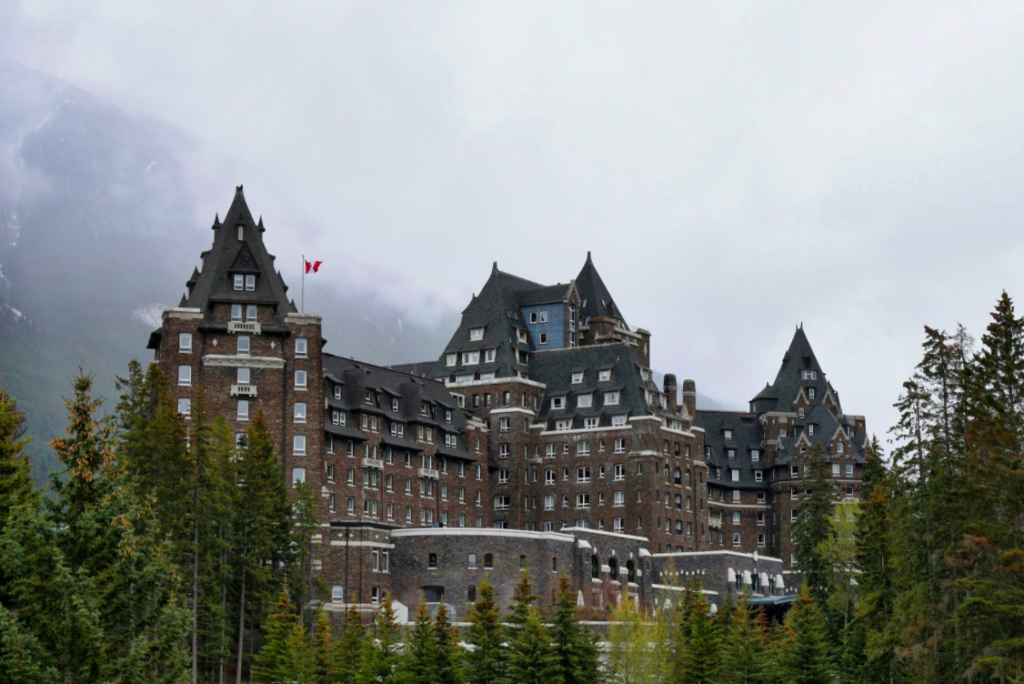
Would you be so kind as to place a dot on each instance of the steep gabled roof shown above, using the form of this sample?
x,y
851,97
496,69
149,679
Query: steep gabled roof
x,y
228,255
789,381
594,295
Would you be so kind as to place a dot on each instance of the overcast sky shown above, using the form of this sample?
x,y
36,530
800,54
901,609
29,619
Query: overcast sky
x,y
735,168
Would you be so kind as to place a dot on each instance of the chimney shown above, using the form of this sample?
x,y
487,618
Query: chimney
x,y
690,397
670,390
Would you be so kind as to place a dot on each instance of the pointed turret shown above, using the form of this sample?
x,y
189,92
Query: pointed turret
x,y
216,221
596,299
800,377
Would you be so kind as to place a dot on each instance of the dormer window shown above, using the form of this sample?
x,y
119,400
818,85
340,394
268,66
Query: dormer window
x,y
611,398
522,336
808,375
585,400
731,454
451,359
577,377
368,397
394,405
337,392
250,283
489,355
810,393
470,358
604,375
810,429
476,334
557,403
728,434
755,455
241,232
239,282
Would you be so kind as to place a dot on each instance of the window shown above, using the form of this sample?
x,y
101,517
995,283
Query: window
x,y
330,503
735,538
239,281
300,412
300,347
503,424
619,499
583,474
728,434
794,471
503,476
611,398
583,448
800,412
835,470
337,594
730,454
810,393
451,359
488,561
758,476
432,561
810,429
735,496
185,406
243,409
470,358
849,470
549,502
755,455
808,375
476,333
585,400
250,283
620,445
185,343
236,312
489,355
549,476
619,525
299,445
590,423
782,432
250,313
242,376
563,425
185,375
243,345
300,379
472,561
298,475
620,472
577,377
543,338
735,475
583,500
557,403
604,375
839,447
619,420
504,450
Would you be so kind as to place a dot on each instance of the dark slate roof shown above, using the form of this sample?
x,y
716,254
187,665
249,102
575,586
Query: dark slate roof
x,y
746,436
355,377
554,368
544,295
788,382
230,255
496,310
420,368
594,295
826,425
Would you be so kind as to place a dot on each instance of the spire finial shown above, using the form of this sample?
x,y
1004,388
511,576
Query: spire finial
x,y
216,221
494,268
589,261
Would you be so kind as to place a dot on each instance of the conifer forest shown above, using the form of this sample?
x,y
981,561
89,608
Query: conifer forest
x,y
167,551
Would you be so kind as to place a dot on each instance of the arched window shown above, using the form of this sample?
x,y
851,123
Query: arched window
x,y
595,566
488,561
679,476
472,561
613,568
630,571
522,562
432,561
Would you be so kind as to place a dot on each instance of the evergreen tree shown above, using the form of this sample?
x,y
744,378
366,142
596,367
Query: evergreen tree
x,y
803,656
703,644
637,652
575,648
349,650
744,649
420,656
381,658
323,644
272,662
813,529
22,658
486,662
531,657
446,648
300,664
15,470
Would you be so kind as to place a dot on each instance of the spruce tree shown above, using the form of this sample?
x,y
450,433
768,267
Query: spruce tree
x,y
803,656
744,648
420,655
323,644
531,658
382,657
703,644
23,660
300,664
575,648
813,529
446,648
637,652
16,486
272,661
349,649
486,662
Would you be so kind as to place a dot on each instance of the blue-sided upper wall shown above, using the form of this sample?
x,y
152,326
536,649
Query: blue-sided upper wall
x,y
554,327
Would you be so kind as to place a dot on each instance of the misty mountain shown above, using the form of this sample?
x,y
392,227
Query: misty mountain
x,y
98,234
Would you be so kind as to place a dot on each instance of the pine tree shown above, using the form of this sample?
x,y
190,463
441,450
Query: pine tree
x,y
702,651
446,648
813,529
420,655
803,656
22,658
575,648
381,658
636,647
323,644
299,665
744,649
349,650
486,662
271,660
531,658
15,470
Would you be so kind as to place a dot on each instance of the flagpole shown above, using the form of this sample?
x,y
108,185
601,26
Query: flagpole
x,y
302,301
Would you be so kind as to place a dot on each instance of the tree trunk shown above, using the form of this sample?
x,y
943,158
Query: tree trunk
x,y
241,629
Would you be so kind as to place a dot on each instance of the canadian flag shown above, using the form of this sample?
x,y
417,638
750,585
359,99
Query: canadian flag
x,y
313,265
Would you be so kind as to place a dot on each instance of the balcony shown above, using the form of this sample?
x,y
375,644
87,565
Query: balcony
x,y
715,523
375,463
243,390
250,328
428,473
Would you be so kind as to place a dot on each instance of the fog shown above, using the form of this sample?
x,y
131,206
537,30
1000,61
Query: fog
x,y
736,169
